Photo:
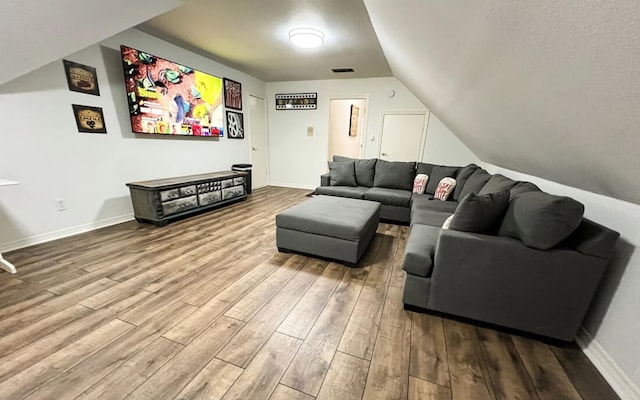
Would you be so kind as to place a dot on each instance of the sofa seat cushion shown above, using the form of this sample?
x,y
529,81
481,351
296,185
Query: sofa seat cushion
x,y
390,197
541,220
421,216
395,175
331,216
353,192
418,254
365,169
429,203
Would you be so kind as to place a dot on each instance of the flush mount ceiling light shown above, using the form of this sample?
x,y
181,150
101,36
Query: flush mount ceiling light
x,y
306,37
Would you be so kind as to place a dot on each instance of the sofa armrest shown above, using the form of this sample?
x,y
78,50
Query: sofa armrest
x,y
502,281
325,179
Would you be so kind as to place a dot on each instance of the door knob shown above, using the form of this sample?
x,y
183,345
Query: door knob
x,y
384,154
254,148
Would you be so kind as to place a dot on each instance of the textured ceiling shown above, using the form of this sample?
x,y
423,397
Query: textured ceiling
x,y
37,32
252,36
544,87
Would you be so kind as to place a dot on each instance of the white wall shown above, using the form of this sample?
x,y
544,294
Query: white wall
x,y
340,142
298,160
42,149
612,321
443,147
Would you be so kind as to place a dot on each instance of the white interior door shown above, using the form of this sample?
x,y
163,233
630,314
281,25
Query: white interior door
x,y
402,136
259,151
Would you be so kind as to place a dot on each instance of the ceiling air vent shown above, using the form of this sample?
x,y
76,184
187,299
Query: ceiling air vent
x,y
341,70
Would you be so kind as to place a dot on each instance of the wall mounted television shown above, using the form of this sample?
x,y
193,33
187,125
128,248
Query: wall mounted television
x,y
169,98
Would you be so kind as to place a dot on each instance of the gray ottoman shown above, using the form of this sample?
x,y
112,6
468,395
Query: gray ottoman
x,y
326,226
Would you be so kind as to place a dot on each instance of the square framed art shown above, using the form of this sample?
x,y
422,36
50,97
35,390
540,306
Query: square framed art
x,y
232,94
89,119
81,78
235,125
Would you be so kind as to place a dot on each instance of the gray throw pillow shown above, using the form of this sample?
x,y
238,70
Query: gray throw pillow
x,y
342,173
438,173
475,183
394,174
480,213
541,220
462,178
497,183
365,169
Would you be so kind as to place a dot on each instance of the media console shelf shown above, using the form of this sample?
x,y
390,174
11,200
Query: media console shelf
x,y
162,200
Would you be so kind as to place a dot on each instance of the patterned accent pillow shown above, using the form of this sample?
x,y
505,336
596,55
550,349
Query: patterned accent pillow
x,y
420,183
447,222
445,187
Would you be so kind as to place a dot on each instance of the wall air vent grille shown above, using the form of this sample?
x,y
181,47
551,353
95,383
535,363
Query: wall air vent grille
x,y
341,70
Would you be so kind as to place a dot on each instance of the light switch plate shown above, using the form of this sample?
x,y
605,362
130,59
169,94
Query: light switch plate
x,y
310,131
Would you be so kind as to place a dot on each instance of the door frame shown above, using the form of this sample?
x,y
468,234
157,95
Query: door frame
x,y
364,129
423,139
266,134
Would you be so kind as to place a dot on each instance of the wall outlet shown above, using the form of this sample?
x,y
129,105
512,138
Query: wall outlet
x,y
310,131
61,204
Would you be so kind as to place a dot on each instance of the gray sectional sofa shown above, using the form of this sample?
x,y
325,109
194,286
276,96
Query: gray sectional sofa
x,y
512,256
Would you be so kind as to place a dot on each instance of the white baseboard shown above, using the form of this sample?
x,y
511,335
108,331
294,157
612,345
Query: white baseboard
x,y
294,186
74,230
619,381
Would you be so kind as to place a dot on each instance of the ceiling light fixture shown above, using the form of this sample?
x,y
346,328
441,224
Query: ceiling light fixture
x,y
306,37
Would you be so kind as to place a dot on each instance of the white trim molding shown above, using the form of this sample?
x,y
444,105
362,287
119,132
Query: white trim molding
x,y
619,381
62,233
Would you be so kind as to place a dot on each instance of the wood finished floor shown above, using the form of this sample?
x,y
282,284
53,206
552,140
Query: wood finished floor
x,y
206,308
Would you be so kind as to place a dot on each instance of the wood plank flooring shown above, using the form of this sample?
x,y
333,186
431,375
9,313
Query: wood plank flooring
x,y
206,308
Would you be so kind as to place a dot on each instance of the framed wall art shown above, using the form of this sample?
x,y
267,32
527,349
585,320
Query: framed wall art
x,y
89,119
81,78
297,101
235,125
168,98
232,94
353,122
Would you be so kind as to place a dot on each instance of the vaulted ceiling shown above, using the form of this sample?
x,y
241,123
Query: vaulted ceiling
x,y
549,88
543,87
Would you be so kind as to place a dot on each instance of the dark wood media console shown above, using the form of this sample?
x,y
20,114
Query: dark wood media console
x,y
162,200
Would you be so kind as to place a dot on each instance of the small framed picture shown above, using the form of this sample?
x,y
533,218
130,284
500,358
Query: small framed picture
x,y
235,125
232,94
353,121
81,78
89,119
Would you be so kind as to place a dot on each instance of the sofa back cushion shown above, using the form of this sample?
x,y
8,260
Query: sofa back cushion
x,y
480,213
395,175
523,187
342,173
438,173
365,169
497,183
462,178
541,220
475,183
424,168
